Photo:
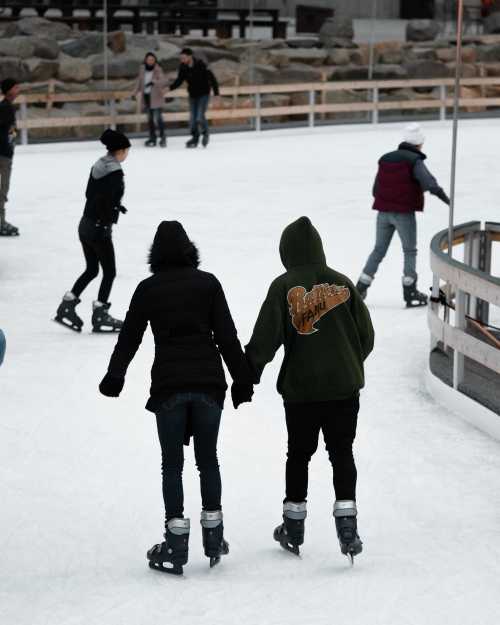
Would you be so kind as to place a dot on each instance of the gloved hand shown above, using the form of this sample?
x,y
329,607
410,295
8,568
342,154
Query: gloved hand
x,y
241,393
122,209
111,386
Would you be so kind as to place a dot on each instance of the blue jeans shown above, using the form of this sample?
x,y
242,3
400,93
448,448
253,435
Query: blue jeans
x,y
3,345
198,108
201,415
405,224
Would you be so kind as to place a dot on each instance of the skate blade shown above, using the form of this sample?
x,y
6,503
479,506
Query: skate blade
x,y
350,557
161,568
224,550
290,548
71,326
214,561
105,331
417,305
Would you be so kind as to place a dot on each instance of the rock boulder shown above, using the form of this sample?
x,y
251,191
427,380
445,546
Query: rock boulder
x,y
422,30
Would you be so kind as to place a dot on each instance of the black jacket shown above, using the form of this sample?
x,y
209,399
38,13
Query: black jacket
x,y
199,78
190,320
7,128
104,193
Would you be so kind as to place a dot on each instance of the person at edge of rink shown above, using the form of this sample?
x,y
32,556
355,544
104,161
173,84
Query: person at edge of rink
x,y
400,184
8,133
105,189
192,328
200,81
3,346
320,318
149,88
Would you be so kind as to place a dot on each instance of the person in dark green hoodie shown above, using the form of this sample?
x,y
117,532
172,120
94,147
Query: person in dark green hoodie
x,y
325,327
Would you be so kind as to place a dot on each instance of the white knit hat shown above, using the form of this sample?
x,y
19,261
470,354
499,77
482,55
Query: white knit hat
x,y
414,134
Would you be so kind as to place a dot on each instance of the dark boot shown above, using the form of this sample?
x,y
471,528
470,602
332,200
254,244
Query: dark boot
x,y
8,230
345,513
205,139
102,321
193,142
163,142
412,296
174,550
290,534
150,143
364,284
213,536
66,314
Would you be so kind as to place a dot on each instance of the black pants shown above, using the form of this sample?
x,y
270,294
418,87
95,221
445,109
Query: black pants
x,y
338,421
198,110
202,414
97,251
155,119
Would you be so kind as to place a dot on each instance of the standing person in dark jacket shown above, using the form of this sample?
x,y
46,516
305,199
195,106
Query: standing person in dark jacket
x,y
149,88
10,91
399,188
105,189
192,328
201,81
320,318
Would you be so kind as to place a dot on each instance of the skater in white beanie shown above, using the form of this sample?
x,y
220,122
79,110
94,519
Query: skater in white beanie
x,y
399,188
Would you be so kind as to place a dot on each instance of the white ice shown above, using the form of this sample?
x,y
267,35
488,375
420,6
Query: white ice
x,y
81,495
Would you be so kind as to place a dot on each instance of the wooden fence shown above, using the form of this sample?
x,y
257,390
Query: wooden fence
x,y
438,97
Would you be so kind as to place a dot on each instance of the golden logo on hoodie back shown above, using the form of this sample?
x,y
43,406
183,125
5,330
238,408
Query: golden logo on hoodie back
x,y
307,308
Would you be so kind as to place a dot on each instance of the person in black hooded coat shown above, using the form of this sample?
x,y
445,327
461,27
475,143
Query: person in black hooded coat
x,y
192,328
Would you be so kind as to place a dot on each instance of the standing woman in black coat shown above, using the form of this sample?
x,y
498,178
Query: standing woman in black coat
x,y
192,328
105,189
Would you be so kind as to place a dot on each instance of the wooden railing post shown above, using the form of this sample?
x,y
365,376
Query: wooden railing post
x,y
442,97
112,111
375,105
312,103
258,119
24,119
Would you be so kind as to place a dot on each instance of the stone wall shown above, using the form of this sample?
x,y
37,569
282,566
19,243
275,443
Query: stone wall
x,y
35,51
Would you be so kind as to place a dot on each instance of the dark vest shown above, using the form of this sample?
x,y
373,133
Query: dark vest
x,y
396,190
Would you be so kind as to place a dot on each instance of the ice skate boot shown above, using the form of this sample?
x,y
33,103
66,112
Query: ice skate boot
x,y
193,142
412,296
205,139
364,284
174,550
213,536
290,534
345,513
150,143
163,142
8,230
102,321
66,314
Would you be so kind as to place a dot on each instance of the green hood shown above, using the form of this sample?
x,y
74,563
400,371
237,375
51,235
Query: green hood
x,y
301,245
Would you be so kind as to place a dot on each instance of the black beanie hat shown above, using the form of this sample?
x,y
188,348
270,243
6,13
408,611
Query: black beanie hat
x,y
172,247
114,140
7,85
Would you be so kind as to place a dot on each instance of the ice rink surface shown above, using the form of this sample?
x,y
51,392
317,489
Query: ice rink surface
x,y
80,473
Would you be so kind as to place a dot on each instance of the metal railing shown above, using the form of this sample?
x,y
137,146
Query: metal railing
x,y
473,288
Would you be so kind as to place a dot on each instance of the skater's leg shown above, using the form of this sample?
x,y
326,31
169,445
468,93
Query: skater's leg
x,y
339,430
385,232
5,176
205,420
303,427
406,225
151,117
91,272
171,422
193,109
202,111
106,254
160,123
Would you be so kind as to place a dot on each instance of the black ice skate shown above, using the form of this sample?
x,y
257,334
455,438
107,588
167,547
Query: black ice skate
x,y
193,142
347,528
412,296
364,284
8,230
290,534
205,139
66,314
213,536
174,550
163,142
150,143
102,321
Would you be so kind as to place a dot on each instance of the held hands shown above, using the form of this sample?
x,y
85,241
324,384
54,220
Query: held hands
x,y
110,386
241,393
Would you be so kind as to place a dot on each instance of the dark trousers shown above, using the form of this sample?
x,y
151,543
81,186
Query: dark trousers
x,y
338,420
198,108
97,251
201,415
155,119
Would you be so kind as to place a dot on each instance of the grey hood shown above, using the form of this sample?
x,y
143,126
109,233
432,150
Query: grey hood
x,y
104,166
